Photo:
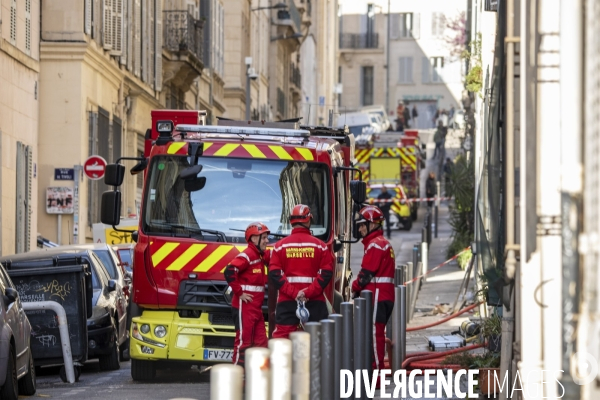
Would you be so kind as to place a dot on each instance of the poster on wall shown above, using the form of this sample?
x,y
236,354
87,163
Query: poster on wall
x,y
59,200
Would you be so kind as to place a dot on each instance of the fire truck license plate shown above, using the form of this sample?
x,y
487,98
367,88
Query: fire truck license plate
x,y
225,355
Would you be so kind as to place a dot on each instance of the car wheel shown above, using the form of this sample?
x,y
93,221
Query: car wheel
x,y
142,370
110,362
10,390
63,373
27,383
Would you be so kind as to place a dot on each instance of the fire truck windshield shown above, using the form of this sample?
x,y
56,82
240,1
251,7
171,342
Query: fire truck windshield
x,y
236,192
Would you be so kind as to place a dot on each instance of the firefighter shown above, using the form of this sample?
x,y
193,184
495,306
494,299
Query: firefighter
x,y
301,268
246,277
377,275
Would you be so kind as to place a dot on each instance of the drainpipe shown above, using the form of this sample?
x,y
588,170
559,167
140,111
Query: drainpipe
x,y
571,129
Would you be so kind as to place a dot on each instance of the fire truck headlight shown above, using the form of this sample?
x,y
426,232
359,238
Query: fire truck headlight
x,y
160,331
164,126
145,328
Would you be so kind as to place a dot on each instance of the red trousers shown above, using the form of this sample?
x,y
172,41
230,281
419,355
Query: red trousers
x,y
249,330
378,345
283,331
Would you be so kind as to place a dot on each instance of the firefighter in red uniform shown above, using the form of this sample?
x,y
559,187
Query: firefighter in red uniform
x,y
377,275
246,277
301,268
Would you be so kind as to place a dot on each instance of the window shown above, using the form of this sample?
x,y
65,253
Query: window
x,y
404,26
438,24
406,70
432,71
24,172
367,86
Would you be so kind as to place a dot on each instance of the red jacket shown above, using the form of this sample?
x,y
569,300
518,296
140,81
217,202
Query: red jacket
x,y
377,268
246,274
301,261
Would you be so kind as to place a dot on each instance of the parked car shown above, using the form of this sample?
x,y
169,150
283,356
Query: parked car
x,y
107,327
358,123
379,110
17,372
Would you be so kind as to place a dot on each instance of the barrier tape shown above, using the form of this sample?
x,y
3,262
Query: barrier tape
x,y
437,267
403,201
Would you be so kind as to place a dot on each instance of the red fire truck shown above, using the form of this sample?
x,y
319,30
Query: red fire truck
x,y
203,185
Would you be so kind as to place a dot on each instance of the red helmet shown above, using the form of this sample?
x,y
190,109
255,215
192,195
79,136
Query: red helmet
x,y
300,214
370,214
256,228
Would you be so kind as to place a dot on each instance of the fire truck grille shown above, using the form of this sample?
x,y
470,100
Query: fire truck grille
x,y
202,295
218,342
220,318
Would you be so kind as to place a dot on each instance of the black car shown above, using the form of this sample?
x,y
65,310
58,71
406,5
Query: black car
x,y
107,326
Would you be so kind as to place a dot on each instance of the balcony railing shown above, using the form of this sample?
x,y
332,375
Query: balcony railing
x,y
182,32
359,40
295,75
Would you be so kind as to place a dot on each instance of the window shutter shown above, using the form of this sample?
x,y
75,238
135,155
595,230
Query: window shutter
x,y
144,40
137,40
402,69
28,208
117,28
13,22
395,26
107,31
125,54
87,28
426,67
28,27
409,69
158,40
416,25
150,42
129,29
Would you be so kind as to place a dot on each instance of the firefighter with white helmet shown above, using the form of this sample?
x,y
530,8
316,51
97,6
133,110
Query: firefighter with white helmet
x,y
245,275
301,268
376,274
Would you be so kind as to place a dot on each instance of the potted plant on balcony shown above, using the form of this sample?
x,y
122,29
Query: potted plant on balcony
x,y
491,330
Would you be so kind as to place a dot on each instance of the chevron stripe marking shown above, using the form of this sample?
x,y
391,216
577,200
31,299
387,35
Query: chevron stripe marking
x,y
175,147
254,151
281,152
214,258
226,149
186,257
163,252
306,153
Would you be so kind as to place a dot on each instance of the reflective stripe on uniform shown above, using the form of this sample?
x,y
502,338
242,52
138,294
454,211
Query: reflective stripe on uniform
x,y
382,280
250,288
300,279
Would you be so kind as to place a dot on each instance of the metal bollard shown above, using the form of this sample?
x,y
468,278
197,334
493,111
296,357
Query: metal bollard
x,y
338,319
258,373
424,260
369,326
314,328
327,361
412,302
348,336
416,259
399,279
399,328
226,382
300,365
410,286
360,308
281,369
424,234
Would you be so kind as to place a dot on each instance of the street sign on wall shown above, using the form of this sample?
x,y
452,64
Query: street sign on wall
x,y
64,174
94,167
59,200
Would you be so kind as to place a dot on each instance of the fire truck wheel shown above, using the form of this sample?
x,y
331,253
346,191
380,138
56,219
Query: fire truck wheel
x,y
407,224
142,370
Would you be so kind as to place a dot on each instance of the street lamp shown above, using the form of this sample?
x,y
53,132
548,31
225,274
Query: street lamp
x,y
275,7
250,75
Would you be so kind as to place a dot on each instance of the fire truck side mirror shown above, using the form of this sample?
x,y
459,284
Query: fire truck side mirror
x,y
114,174
358,191
110,209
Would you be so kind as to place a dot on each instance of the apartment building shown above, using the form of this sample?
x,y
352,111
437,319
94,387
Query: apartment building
x,y
411,62
104,65
19,118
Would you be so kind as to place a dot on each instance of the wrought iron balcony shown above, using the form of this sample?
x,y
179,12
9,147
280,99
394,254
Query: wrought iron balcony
x,y
359,40
182,32
290,16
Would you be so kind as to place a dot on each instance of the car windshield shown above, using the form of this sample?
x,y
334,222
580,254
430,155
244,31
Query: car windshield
x,y
359,129
126,258
108,262
374,192
236,193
